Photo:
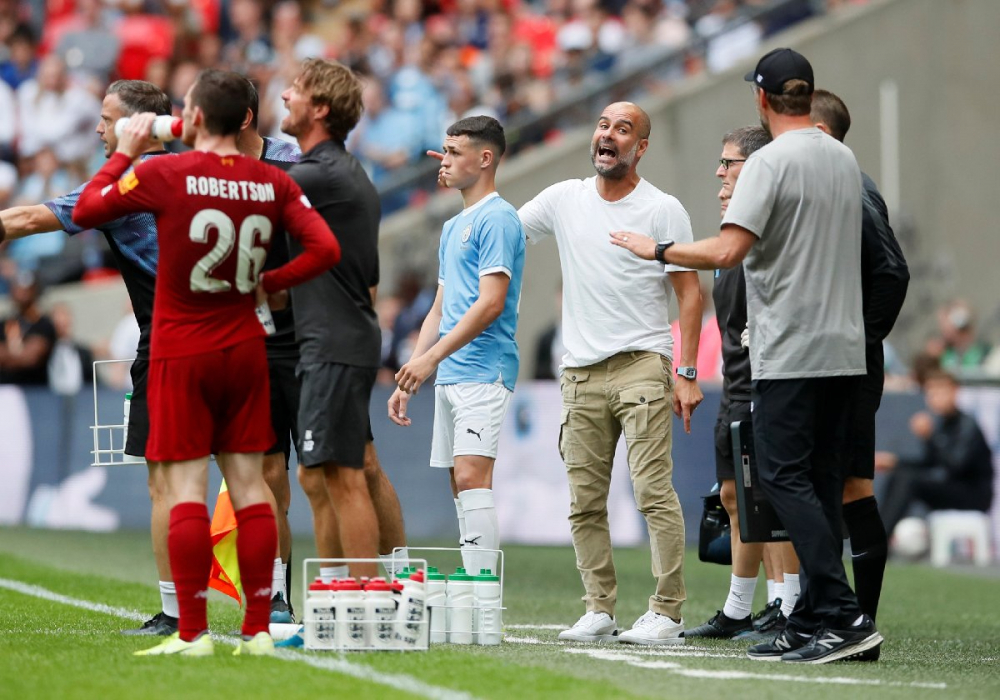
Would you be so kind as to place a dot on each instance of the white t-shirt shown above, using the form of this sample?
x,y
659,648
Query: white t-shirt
x,y
613,301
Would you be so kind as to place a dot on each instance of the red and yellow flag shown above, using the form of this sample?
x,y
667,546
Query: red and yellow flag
x,y
225,576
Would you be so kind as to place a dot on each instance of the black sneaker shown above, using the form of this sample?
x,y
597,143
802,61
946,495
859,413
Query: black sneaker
x,y
773,626
280,610
765,618
160,625
774,650
719,627
835,645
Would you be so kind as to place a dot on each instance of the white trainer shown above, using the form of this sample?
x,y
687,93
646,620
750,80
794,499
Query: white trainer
x,y
592,627
653,628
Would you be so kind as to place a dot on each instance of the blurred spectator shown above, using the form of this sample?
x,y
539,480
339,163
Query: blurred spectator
x,y
730,38
48,181
27,337
23,61
85,40
960,347
415,300
8,183
71,364
386,138
251,43
289,36
143,36
387,308
955,470
57,115
8,121
549,349
121,346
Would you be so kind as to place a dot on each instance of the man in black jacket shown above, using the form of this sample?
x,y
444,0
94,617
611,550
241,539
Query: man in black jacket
x,y
955,470
884,279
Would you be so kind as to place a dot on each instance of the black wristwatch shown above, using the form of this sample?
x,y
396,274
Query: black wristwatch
x,y
661,249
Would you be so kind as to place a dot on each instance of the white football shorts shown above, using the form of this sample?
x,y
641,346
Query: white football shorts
x,y
467,420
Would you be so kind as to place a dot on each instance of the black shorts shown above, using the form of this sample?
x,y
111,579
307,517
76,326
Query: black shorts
x,y
862,435
284,404
334,423
730,411
138,416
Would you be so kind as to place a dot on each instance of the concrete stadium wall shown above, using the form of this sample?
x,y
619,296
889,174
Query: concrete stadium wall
x,y
941,55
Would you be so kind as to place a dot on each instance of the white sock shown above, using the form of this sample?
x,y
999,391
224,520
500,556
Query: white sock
x,y
460,512
779,591
394,562
739,603
791,593
328,573
481,530
168,599
770,590
278,579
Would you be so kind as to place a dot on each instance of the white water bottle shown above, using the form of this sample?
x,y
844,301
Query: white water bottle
x,y
320,621
380,612
411,620
459,591
437,599
165,127
265,318
128,407
488,624
350,613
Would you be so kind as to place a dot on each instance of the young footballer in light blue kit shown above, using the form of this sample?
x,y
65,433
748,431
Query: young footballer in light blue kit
x,y
468,336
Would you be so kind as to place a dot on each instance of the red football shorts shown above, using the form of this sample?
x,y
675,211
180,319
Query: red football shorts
x,y
209,403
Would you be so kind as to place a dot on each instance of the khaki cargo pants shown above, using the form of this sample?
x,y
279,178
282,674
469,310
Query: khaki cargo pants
x,y
631,391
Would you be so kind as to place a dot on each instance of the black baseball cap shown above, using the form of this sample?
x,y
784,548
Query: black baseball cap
x,y
778,66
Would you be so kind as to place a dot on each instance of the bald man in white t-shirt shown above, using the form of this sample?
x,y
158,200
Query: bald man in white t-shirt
x,y
617,375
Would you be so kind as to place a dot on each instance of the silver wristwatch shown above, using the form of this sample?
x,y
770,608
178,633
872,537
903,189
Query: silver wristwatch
x,y
688,372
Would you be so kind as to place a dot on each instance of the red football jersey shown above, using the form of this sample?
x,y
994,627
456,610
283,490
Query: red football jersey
x,y
215,216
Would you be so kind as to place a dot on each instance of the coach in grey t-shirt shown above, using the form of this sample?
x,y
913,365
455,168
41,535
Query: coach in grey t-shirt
x,y
795,217
801,197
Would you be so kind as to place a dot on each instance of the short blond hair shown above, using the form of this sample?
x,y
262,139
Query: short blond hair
x,y
335,85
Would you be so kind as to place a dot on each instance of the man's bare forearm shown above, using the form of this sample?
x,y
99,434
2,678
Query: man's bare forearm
x,y
19,222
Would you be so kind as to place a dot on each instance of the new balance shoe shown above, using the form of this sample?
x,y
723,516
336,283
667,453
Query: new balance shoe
x,y
260,644
592,627
835,645
201,646
160,625
773,650
281,611
721,626
296,641
766,618
872,654
653,628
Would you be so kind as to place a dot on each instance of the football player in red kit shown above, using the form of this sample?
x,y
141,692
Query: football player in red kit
x,y
208,385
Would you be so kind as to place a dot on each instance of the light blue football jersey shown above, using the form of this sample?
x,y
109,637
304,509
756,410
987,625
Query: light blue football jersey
x,y
485,238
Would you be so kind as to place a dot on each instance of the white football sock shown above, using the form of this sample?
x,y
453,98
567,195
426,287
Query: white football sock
x,y
481,530
739,603
770,590
779,591
791,593
278,579
395,562
168,599
329,573
461,520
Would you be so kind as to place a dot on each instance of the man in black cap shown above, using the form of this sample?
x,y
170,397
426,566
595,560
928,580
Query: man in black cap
x,y
795,216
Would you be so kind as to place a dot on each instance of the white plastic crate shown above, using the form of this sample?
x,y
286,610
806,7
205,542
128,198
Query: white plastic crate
x,y
109,437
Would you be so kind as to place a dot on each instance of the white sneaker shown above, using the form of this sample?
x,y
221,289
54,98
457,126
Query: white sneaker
x,y
592,627
653,628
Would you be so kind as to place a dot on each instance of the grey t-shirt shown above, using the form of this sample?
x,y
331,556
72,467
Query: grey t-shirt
x,y
801,196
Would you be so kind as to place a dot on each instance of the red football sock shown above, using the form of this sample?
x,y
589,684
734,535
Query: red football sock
x,y
190,544
255,546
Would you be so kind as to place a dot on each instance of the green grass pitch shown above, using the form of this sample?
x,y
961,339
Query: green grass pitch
x,y
942,634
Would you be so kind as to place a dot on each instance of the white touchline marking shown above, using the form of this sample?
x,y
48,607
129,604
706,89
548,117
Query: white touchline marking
x,y
535,627
337,665
634,660
527,640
